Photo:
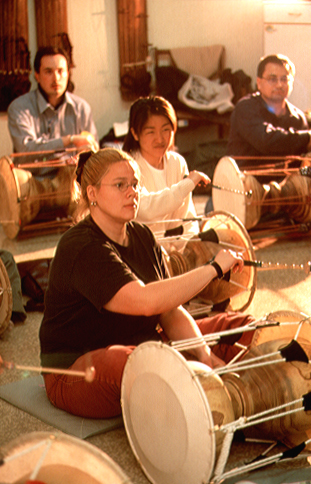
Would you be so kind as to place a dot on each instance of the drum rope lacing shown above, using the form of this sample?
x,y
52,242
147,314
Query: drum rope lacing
x,y
10,458
182,345
38,466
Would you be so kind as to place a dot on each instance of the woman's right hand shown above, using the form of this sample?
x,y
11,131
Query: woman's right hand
x,y
229,260
198,176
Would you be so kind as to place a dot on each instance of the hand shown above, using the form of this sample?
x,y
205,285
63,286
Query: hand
x,y
230,260
198,177
85,140
73,160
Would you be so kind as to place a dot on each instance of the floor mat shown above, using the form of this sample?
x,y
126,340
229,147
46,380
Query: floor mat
x,y
29,395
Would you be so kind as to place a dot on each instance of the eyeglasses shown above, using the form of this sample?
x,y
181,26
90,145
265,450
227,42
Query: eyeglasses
x,y
123,186
273,80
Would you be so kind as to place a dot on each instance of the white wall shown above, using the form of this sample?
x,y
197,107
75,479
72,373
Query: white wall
x,y
92,28
236,24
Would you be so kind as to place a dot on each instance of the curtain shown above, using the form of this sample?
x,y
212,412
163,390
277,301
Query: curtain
x,y
14,54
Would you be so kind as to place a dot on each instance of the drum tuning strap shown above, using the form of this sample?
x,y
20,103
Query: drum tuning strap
x,y
209,236
287,454
291,453
294,352
307,401
229,339
174,232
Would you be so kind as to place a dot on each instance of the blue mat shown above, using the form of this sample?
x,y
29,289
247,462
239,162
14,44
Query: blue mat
x,y
29,395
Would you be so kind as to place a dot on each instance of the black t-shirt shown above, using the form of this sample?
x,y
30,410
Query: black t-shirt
x,y
87,271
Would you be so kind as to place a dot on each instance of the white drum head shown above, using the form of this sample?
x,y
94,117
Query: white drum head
x,y
228,175
68,460
167,417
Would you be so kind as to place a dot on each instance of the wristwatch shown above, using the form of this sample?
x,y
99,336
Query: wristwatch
x,y
217,267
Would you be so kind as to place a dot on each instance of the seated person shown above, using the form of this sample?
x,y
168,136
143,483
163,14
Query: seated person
x,y
50,117
165,179
265,123
109,291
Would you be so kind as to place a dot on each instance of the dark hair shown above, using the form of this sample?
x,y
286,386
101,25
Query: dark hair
x,y
140,112
49,50
279,59
91,168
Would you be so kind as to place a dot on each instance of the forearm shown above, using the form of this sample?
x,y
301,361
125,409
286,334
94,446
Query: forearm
x,y
154,205
277,141
178,325
268,139
160,296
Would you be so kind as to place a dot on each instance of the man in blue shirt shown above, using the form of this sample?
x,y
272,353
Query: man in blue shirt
x,y
50,117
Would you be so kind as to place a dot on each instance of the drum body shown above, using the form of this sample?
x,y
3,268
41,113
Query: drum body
x,y
267,387
173,408
6,299
22,196
68,460
168,417
237,289
244,196
296,197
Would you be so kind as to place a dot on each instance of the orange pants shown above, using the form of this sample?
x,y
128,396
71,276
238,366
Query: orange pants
x,y
101,397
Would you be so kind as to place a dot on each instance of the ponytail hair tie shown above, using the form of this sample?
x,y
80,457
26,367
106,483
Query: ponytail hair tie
x,y
82,159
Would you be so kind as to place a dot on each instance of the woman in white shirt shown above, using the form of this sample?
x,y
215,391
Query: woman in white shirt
x,y
167,185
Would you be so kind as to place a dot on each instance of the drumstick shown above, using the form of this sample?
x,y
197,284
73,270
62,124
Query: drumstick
x,y
247,194
42,152
88,374
271,266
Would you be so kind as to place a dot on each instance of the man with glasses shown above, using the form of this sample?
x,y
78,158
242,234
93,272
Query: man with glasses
x,y
265,123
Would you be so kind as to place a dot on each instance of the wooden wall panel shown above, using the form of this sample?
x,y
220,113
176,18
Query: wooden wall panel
x,y
52,25
133,48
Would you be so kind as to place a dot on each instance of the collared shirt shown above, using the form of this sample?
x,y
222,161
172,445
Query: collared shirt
x,y
35,125
256,131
